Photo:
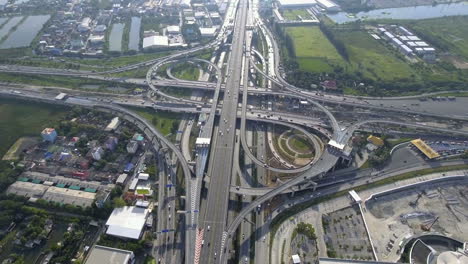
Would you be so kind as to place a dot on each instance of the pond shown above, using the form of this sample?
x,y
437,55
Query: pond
x,y
9,25
25,33
134,37
115,38
413,12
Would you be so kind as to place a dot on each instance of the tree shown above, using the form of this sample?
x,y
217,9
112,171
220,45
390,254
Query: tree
x,y
118,202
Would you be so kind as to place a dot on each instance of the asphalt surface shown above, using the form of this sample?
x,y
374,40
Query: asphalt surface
x,y
221,167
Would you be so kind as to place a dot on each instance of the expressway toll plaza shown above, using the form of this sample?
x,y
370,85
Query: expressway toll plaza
x,y
233,131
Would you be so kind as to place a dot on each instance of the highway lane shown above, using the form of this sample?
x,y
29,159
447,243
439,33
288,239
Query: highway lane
x,y
221,166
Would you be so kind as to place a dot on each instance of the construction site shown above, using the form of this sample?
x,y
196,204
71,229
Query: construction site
x,y
396,217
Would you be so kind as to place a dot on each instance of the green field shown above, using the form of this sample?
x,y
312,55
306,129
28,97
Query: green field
x,y
300,144
450,33
372,58
314,52
295,14
23,118
186,71
164,122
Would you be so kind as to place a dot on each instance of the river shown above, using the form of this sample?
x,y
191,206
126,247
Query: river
x,y
414,12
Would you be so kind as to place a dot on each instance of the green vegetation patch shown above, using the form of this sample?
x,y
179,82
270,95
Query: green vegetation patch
x,y
371,58
142,191
164,122
21,118
448,33
295,14
186,71
312,49
300,144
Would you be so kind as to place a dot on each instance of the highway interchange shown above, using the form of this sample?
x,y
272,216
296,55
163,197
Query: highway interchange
x,y
217,165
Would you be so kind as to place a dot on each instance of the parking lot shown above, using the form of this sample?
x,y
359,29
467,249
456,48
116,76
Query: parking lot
x,y
345,234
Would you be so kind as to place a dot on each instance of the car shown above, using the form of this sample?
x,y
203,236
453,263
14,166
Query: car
x,y
208,228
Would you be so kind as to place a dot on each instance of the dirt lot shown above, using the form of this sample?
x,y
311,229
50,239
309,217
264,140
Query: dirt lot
x,y
400,215
20,145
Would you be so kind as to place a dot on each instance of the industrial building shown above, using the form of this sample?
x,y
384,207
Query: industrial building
x,y
27,189
296,3
60,194
107,255
155,42
406,42
127,222
69,196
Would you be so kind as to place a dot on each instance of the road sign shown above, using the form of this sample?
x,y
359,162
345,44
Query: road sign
x,y
169,185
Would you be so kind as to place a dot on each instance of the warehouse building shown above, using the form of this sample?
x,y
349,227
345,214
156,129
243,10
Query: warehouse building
x,y
155,42
27,189
107,255
34,189
127,222
69,196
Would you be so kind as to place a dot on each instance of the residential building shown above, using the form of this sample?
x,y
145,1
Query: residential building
x,y
97,153
375,140
49,134
111,143
132,147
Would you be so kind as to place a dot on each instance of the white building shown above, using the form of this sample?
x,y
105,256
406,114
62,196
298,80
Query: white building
x,y
208,32
127,222
107,255
296,3
84,25
296,259
121,179
328,5
173,30
155,42
143,176
113,124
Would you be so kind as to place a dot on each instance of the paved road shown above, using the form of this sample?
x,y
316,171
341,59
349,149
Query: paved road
x,y
222,149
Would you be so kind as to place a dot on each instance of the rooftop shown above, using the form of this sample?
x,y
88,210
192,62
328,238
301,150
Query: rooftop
x,y
425,149
108,255
155,41
127,221
297,2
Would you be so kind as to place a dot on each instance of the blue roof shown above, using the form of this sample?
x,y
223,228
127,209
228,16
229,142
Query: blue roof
x,y
129,166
